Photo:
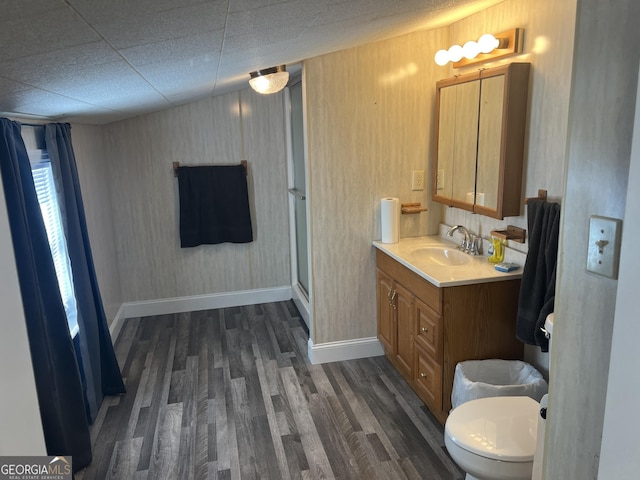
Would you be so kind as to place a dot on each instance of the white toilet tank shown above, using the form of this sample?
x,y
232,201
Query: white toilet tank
x,y
539,455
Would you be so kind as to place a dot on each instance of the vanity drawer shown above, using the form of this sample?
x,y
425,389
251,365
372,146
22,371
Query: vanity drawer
x,y
429,330
428,379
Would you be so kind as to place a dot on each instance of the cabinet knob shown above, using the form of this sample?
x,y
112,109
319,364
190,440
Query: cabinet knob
x,y
423,375
424,329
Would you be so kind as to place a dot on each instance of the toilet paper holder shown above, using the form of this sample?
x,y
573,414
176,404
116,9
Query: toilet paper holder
x,y
413,207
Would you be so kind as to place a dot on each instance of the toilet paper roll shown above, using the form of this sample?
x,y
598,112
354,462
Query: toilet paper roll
x,y
390,216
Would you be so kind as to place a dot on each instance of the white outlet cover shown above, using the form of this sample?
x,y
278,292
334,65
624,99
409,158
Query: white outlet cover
x,y
603,253
417,180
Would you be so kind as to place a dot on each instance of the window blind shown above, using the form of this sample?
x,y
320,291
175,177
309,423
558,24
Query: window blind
x,y
47,198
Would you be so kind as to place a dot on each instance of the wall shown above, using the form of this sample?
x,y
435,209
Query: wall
x,y
365,142
369,117
618,456
548,47
221,130
93,169
601,123
21,432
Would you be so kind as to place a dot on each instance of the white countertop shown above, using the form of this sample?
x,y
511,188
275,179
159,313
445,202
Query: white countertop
x,y
477,270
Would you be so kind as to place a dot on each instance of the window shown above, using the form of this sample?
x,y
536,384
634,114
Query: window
x,y
46,190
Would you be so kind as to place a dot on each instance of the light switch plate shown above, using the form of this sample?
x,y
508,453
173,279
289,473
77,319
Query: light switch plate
x,y
603,255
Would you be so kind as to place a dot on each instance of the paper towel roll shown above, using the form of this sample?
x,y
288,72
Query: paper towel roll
x,y
390,213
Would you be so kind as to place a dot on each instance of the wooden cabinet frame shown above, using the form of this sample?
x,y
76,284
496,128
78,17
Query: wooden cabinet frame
x,y
507,144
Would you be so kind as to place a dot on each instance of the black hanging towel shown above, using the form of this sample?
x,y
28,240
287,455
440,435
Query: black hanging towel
x,y
214,205
538,288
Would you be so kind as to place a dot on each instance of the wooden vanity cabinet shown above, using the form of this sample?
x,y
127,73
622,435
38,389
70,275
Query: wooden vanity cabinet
x,y
426,330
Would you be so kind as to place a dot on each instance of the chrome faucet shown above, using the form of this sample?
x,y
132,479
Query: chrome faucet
x,y
471,242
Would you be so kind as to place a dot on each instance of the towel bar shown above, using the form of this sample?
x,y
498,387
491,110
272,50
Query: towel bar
x,y
542,195
244,163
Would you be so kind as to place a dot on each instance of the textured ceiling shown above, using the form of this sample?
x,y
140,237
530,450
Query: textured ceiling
x,y
99,61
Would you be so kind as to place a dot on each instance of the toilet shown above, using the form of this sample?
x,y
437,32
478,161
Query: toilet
x,y
495,438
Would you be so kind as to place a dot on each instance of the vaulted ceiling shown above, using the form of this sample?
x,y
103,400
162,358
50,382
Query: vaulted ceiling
x,y
99,61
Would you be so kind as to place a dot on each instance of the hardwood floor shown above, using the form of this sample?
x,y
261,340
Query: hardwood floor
x,y
229,394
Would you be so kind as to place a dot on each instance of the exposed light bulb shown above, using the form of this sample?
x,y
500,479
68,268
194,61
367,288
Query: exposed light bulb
x,y
488,43
471,49
455,53
442,57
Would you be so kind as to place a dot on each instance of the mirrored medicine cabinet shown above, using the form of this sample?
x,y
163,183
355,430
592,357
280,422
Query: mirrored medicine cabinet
x,y
480,132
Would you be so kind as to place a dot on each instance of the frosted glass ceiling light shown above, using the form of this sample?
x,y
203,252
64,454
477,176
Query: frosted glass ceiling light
x,y
269,80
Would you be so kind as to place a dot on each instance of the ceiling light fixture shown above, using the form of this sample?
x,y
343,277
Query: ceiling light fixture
x,y
488,47
269,80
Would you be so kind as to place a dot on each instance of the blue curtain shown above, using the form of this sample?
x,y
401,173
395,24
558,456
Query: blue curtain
x,y
57,376
98,364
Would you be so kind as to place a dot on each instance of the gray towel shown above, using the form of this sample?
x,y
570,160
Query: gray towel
x,y
538,288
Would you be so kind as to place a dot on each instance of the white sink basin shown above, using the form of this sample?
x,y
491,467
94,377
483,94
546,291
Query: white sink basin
x,y
440,255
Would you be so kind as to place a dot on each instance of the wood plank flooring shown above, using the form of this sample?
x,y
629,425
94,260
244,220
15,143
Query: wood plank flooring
x,y
229,394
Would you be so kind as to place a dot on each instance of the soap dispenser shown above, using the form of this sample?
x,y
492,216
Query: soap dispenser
x,y
496,249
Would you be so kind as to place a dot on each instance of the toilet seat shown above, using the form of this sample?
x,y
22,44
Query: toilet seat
x,y
496,428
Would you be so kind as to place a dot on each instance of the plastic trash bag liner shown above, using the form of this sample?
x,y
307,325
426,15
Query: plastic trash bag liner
x,y
496,378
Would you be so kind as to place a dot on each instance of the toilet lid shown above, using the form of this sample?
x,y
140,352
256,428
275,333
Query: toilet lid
x,y
502,428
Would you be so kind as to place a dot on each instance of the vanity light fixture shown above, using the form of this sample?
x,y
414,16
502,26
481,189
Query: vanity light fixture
x,y
269,80
488,47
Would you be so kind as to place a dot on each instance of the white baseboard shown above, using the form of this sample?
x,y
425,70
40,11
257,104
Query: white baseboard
x,y
344,350
116,323
196,302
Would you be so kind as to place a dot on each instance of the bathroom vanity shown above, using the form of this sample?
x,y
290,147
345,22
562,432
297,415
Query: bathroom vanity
x,y
438,306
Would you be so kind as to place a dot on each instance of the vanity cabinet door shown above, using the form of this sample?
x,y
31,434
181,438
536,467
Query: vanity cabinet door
x,y
386,325
405,328
396,322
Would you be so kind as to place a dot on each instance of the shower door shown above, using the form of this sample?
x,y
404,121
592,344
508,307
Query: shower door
x,y
298,190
